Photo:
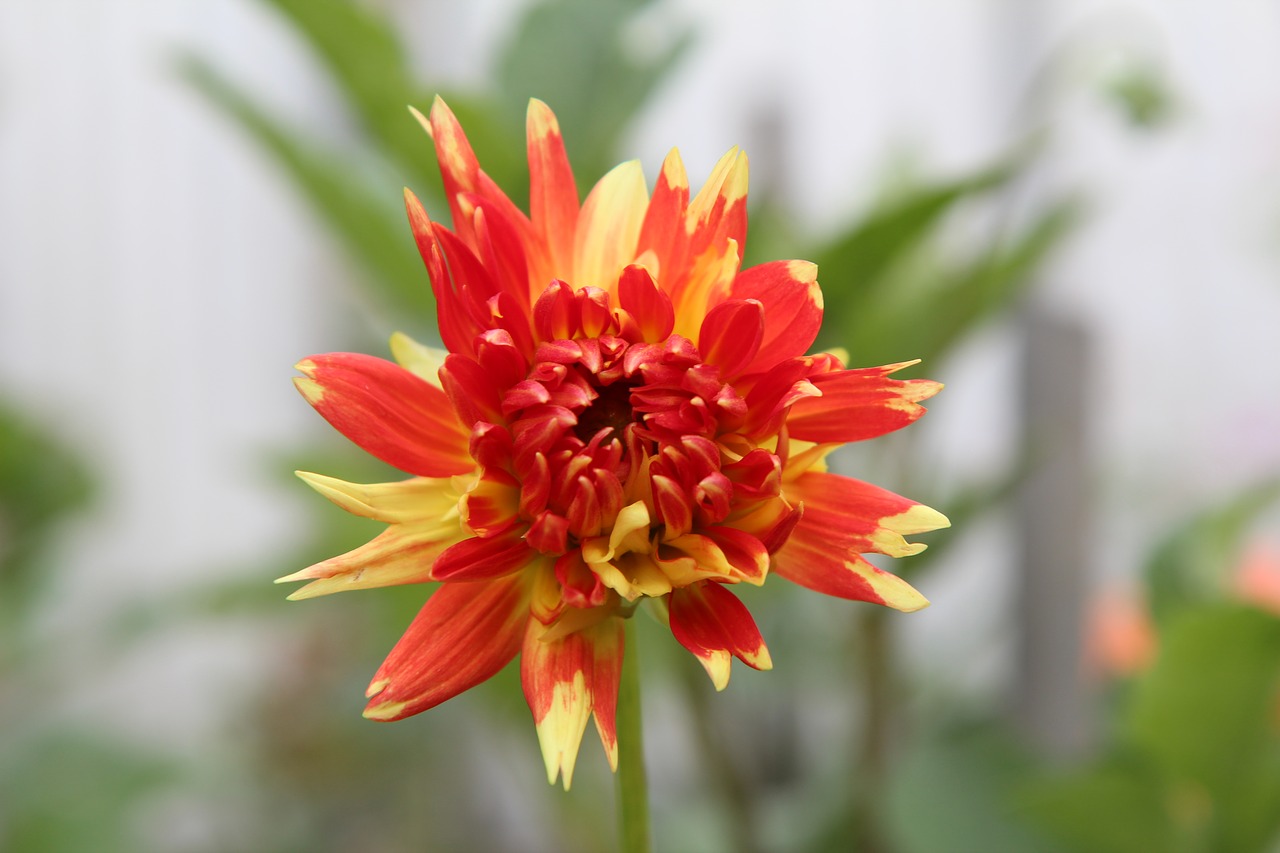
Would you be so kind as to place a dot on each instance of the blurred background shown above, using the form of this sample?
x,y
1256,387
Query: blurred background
x,y
1071,211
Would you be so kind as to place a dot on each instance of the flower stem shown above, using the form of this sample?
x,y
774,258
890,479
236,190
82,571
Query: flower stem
x,y
631,788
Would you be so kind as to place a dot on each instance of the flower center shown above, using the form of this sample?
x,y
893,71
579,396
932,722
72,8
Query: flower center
x,y
611,411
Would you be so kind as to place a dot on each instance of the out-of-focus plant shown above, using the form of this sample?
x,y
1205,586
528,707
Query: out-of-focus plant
x,y
60,789
1190,752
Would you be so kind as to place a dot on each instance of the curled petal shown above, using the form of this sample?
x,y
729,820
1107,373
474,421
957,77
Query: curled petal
x,y
463,635
649,306
490,506
792,302
713,624
387,411
731,335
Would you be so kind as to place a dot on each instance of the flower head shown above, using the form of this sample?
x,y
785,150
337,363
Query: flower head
x,y
622,415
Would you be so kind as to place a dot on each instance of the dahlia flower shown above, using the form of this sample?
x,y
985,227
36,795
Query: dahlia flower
x,y
622,415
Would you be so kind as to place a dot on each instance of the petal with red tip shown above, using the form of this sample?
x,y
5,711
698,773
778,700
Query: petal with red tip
x,y
387,411
713,624
792,302
463,635
859,404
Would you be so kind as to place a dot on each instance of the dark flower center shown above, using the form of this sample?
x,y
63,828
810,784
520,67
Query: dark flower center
x,y
611,410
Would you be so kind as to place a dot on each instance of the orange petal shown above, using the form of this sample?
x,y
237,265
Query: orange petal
x,y
463,635
553,196
387,411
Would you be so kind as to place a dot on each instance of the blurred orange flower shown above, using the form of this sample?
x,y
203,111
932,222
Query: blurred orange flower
x,y
622,414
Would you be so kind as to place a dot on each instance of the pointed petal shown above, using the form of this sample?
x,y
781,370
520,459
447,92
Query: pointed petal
x,y
553,196
463,635
565,679
859,404
609,226
713,624
420,499
388,412
401,554
663,235
842,519
792,302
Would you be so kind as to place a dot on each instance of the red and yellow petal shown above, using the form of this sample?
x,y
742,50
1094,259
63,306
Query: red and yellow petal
x,y
609,227
792,302
567,679
842,519
388,411
710,621
553,197
859,404
463,635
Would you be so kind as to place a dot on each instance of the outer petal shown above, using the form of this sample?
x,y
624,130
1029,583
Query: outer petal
x,y
609,226
463,635
417,500
388,411
565,679
842,519
553,196
711,622
792,302
421,360
401,554
859,404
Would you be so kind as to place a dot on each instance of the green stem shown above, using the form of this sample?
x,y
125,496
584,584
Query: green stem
x,y
632,789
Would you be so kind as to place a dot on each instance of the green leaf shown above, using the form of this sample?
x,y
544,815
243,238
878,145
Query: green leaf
x,y
365,58
1117,806
857,262
927,321
1191,565
1207,713
366,216
578,56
